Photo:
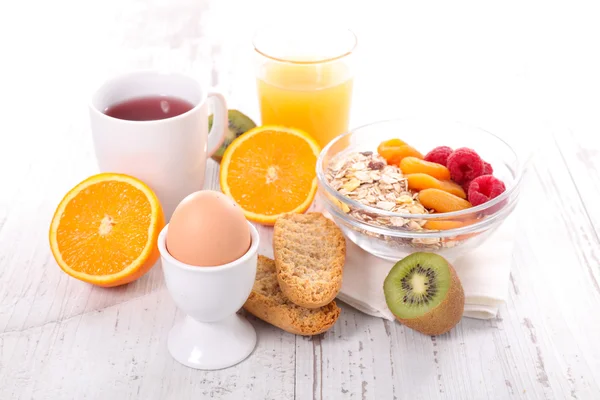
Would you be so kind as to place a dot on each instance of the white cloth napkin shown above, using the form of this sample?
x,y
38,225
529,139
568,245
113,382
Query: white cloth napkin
x,y
484,274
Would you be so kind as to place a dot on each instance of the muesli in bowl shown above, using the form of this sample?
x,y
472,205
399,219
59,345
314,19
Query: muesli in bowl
x,y
400,186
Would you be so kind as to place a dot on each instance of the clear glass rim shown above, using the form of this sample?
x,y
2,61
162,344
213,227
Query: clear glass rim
x,y
343,54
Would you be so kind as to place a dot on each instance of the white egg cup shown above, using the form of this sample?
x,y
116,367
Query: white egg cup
x,y
212,335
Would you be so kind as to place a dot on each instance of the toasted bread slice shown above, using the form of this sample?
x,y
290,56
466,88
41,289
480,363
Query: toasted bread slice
x,y
310,251
268,303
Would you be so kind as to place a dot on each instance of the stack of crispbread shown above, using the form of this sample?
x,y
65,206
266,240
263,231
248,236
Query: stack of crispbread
x,y
296,291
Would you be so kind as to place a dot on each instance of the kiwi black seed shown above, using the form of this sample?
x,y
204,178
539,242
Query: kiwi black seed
x,y
424,293
239,123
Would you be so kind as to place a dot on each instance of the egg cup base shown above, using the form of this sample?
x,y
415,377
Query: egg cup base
x,y
212,335
213,345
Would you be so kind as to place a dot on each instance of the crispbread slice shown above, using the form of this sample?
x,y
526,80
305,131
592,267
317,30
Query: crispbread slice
x,y
310,251
268,303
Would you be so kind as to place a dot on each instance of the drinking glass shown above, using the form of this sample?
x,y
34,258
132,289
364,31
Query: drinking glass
x,y
305,78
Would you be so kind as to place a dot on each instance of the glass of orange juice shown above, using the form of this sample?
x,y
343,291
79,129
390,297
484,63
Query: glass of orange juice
x,y
305,78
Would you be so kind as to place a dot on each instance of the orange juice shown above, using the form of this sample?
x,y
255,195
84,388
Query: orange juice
x,y
313,97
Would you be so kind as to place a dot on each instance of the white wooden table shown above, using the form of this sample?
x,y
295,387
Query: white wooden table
x,y
527,71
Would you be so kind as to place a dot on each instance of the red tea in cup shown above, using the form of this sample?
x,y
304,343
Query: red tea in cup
x,y
154,126
149,108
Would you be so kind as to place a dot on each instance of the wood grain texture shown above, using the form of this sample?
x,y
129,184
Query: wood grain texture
x,y
497,66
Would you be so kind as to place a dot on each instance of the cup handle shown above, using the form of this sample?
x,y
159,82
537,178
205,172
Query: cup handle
x,y
216,136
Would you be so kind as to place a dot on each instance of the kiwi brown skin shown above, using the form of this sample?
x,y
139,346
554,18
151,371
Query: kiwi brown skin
x,y
446,315
432,312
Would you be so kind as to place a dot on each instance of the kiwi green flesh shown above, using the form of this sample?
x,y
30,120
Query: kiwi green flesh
x,y
417,284
239,123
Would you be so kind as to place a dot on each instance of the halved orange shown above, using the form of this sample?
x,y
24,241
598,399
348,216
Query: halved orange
x,y
270,171
105,230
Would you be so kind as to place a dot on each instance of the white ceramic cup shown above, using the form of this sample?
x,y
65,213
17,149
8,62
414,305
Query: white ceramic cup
x,y
212,335
169,155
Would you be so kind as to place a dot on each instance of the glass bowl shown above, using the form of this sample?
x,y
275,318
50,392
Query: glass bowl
x,y
394,235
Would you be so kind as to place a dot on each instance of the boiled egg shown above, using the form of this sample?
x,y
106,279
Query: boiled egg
x,y
208,229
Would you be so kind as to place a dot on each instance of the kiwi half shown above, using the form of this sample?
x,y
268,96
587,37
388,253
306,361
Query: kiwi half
x,y
239,123
424,293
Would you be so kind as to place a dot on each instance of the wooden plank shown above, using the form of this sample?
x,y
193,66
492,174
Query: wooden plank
x,y
348,358
552,292
580,152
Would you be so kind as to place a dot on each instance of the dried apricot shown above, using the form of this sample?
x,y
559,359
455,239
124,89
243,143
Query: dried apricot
x,y
447,224
394,150
453,188
420,181
413,165
386,149
442,201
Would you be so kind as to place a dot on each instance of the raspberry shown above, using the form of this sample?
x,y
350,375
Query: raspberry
x,y
464,164
485,188
465,185
487,168
439,155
